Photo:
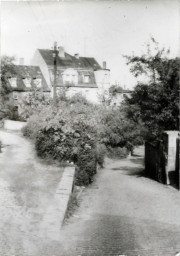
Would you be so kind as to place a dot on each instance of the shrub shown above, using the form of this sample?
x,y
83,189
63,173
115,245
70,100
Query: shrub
x,y
76,144
67,133
77,131
118,132
117,152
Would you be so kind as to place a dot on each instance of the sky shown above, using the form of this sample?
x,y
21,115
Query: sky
x,y
105,30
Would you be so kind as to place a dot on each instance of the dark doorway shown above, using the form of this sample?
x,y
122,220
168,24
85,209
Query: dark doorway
x,y
15,113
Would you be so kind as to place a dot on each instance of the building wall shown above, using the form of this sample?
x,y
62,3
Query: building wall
x,y
102,78
17,98
37,60
91,94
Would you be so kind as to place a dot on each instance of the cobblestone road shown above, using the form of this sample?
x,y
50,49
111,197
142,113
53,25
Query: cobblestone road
x,y
124,213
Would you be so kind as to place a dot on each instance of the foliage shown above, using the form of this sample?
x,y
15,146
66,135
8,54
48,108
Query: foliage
x,y
77,131
7,70
114,89
117,152
118,131
155,103
66,132
33,103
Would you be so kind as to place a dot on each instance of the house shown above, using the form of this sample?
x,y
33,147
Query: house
x,y
23,83
76,74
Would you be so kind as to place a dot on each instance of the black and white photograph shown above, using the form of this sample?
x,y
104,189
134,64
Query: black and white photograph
x,y
89,128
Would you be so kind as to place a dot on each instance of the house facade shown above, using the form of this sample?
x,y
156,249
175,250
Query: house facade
x,y
25,81
74,73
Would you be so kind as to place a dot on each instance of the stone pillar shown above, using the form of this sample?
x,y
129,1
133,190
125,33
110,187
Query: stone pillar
x,y
177,162
170,138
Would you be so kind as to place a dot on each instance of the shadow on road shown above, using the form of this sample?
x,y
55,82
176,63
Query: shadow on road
x,y
131,171
139,160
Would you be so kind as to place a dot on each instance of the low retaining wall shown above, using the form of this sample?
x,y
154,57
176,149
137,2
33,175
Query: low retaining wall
x,y
64,190
56,213
13,125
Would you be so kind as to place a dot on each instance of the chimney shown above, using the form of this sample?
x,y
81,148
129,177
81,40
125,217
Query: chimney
x,y
21,61
76,55
104,64
61,52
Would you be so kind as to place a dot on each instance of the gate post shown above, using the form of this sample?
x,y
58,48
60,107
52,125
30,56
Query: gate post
x,y
169,140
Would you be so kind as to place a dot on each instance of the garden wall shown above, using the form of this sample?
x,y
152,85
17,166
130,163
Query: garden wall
x,y
162,158
154,161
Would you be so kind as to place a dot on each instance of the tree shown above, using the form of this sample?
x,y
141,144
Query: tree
x,y
155,103
7,70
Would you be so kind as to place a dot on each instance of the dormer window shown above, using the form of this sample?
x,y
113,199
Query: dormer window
x,y
70,76
13,81
86,79
38,82
27,82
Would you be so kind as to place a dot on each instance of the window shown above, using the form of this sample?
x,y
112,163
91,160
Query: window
x,y
70,76
86,79
38,82
27,82
13,81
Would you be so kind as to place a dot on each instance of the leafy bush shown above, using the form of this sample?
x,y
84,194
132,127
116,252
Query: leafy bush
x,y
118,131
77,131
66,132
117,152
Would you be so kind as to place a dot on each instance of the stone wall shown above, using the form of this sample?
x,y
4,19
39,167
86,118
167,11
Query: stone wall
x,y
177,161
91,94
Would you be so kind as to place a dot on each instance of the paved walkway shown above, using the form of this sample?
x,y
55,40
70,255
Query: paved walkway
x,y
27,192
121,213
124,213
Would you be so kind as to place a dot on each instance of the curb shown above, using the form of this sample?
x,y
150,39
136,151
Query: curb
x,y
64,190
56,213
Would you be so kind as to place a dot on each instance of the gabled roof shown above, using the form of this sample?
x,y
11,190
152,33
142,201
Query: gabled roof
x,y
69,61
32,72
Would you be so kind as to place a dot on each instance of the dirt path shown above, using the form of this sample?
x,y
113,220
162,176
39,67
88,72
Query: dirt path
x,y
27,188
